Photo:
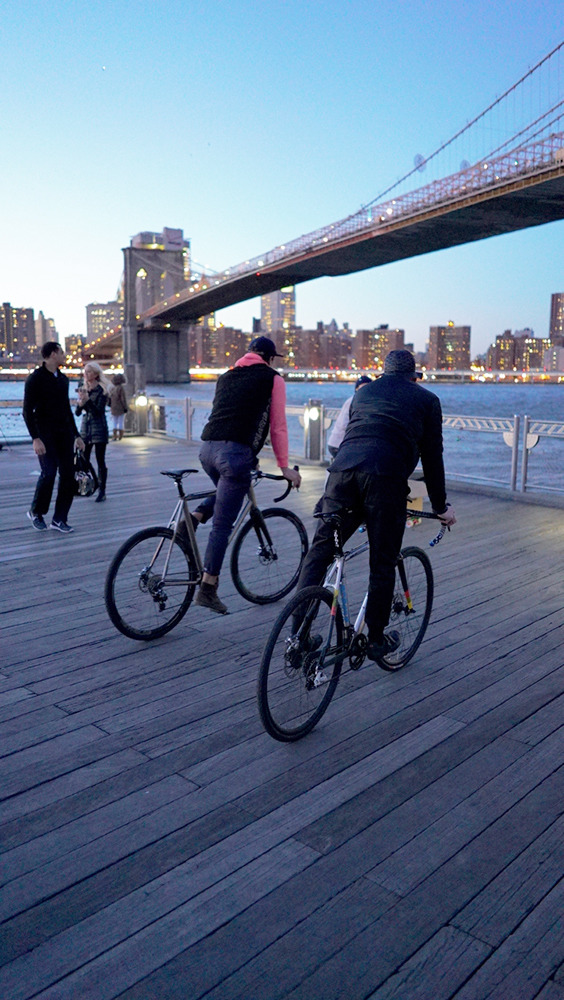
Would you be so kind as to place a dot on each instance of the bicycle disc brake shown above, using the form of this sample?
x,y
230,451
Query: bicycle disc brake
x,y
153,585
266,555
357,654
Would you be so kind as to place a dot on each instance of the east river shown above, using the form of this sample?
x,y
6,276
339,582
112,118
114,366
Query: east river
x,y
478,457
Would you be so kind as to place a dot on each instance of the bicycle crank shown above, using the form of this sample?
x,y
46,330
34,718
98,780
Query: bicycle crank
x,y
357,654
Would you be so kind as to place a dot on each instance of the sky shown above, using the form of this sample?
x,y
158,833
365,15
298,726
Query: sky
x,y
247,125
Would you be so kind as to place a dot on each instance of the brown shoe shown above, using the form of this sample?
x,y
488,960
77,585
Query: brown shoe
x,y
207,598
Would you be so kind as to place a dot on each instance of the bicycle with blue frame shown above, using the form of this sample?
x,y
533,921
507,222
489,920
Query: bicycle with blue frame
x,y
314,636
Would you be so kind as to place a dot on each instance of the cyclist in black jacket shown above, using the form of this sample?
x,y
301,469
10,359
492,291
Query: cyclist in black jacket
x,y
49,420
393,423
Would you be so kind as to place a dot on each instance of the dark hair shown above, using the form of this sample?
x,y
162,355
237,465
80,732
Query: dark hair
x,y
49,348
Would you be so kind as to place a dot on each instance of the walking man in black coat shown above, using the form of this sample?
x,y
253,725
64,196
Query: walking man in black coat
x,y
49,420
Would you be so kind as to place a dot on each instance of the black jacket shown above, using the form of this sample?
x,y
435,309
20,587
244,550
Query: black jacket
x,y
393,423
46,409
94,426
241,406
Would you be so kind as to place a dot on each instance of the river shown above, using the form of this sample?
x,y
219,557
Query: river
x,y
478,457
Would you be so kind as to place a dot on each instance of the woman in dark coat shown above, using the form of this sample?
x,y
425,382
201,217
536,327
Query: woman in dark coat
x,y
92,401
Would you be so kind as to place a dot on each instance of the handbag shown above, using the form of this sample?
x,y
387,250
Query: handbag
x,y
85,479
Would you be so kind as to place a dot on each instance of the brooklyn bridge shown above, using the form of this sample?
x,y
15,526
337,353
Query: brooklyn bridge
x,y
513,184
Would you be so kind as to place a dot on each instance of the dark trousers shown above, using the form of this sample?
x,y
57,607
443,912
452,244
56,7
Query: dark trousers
x,y
59,455
100,452
229,466
380,503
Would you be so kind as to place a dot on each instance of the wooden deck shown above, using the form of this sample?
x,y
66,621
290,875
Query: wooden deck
x,y
156,843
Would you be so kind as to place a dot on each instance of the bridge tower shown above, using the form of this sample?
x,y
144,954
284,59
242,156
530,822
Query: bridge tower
x,y
156,266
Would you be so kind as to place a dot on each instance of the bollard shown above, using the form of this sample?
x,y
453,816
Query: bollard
x,y
313,425
140,402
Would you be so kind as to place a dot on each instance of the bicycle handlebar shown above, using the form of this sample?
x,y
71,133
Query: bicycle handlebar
x,y
270,475
432,517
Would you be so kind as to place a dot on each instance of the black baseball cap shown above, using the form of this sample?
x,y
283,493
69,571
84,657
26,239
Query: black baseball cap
x,y
265,347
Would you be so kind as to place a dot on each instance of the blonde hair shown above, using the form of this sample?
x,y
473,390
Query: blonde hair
x,y
100,377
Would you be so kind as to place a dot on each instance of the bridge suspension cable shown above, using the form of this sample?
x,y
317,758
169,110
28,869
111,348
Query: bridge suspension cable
x,y
545,61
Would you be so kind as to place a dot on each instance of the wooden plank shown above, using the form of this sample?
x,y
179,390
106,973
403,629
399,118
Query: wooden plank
x,y
256,846
437,970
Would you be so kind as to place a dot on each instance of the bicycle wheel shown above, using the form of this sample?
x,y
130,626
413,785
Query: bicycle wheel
x,y
267,555
415,575
138,602
300,666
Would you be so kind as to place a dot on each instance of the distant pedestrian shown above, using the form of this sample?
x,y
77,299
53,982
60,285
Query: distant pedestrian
x,y
118,405
339,427
49,420
93,397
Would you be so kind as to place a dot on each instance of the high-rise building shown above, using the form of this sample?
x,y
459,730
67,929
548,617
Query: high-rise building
x,y
530,351
501,356
102,317
553,359
17,330
556,331
278,311
449,347
369,347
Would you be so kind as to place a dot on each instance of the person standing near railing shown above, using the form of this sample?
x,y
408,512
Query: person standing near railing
x,y
339,427
249,401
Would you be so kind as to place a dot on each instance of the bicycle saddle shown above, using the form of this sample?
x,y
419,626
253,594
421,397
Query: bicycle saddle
x,y
177,474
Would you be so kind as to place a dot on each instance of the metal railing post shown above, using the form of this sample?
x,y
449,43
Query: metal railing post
x,y
525,455
188,417
515,452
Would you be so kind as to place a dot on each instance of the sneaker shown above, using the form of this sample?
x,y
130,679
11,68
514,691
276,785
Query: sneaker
x,y
378,650
37,521
207,598
61,526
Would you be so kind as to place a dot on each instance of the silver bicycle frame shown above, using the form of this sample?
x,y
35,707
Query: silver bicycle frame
x,y
182,505
335,581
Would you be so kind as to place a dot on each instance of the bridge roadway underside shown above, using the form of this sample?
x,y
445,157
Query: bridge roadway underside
x,y
521,205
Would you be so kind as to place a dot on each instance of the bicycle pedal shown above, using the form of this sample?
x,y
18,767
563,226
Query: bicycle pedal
x,y
319,678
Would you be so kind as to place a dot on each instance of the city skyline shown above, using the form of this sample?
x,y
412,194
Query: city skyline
x,y
249,129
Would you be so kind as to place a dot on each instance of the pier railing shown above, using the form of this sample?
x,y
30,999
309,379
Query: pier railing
x,y
521,456
505,463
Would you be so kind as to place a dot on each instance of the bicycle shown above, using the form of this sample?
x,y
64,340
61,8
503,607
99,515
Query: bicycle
x,y
301,663
151,580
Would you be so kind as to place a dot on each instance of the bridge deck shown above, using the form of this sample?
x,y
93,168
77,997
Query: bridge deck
x,y
157,844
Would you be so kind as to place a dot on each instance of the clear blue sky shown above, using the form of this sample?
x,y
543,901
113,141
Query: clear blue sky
x,y
247,125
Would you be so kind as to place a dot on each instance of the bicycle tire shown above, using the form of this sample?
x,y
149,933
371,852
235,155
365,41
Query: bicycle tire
x,y
265,569
136,602
289,705
410,623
